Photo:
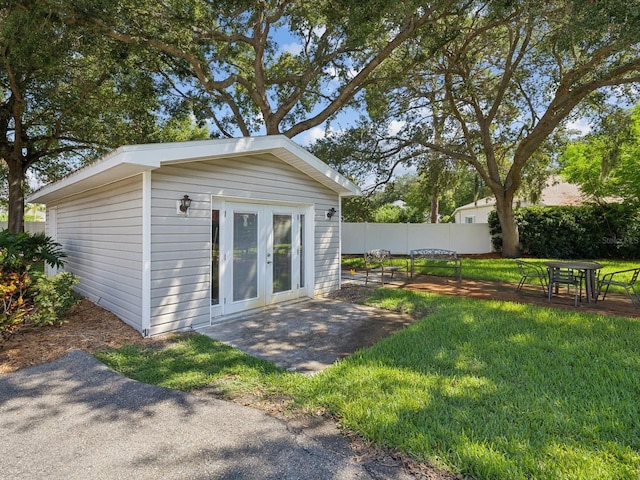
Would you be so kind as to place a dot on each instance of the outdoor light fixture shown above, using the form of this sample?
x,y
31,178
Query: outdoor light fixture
x,y
185,203
330,213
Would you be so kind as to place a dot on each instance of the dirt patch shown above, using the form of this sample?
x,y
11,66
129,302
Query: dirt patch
x,y
88,327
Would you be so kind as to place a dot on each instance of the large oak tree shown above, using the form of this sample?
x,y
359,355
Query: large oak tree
x,y
510,77
66,95
266,67
517,74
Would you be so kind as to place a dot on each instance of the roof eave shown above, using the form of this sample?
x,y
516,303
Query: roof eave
x,y
131,160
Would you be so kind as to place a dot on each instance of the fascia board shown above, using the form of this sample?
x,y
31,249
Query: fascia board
x,y
131,160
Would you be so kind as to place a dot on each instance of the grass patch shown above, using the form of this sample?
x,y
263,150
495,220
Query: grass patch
x,y
497,390
193,361
492,269
485,388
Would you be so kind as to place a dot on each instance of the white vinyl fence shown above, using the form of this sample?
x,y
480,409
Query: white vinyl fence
x,y
401,238
31,227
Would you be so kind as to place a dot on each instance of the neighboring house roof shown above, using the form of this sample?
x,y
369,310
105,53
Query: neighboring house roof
x,y
561,194
556,193
131,160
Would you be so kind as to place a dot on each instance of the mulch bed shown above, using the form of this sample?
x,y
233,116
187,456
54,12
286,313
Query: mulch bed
x,y
88,327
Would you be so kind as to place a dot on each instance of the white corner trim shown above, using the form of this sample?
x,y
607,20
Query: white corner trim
x,y
146,253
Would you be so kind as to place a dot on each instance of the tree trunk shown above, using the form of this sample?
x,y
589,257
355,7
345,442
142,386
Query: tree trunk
x,y
510,235
435,207
16,196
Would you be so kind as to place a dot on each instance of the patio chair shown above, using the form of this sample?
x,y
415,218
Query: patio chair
x,y
568,277
531,270
613,278
380,260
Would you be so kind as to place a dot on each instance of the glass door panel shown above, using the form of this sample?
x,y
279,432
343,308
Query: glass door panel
x,y
245,255
302,251
215,257
282,253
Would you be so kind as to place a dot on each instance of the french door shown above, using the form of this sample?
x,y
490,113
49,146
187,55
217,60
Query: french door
x,y
261,256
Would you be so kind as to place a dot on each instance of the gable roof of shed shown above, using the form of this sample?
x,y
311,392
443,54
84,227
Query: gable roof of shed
x,y
131,160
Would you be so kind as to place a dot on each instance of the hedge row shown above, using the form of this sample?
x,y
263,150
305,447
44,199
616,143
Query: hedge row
x,y
587,231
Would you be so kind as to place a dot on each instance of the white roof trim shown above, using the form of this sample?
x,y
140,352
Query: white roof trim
x,y
132,160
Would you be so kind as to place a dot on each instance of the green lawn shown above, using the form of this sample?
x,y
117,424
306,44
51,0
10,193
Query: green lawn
x,y
497,389
492,269
493,390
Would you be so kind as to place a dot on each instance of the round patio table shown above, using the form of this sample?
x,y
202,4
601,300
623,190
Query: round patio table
x,y
588,268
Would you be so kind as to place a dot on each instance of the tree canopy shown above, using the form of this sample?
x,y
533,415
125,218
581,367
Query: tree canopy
x,y
269,67
509,78
488,84
69,94
606,162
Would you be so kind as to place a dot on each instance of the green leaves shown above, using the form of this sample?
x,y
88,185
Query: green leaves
x,y
589,231
20,252
53,297
606,163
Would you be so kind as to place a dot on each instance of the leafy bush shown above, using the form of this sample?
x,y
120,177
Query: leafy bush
x,y
53,297
588,231
19,252
27,296
15,304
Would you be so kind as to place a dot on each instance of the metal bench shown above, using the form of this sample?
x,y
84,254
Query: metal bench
x,y
437,258
380,260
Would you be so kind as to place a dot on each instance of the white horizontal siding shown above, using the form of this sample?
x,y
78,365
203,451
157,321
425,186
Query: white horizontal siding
x,y
327,257
100,231
181,247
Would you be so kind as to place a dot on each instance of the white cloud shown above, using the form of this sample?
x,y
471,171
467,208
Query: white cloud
x,y
395,126
292,48
580,125
310,136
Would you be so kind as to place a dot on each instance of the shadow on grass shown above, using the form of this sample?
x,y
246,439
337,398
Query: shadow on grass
x,y
497,389
192,361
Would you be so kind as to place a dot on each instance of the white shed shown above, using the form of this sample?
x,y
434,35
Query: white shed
x,y
262,227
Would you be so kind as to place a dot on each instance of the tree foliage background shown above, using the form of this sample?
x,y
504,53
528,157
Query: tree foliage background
x,y
606,162
491,85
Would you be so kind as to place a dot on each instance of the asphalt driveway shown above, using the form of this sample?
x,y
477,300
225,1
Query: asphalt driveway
x,y
76,419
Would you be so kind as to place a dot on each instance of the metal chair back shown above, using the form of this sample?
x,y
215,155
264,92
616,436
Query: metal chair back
x,y
531,270
565,276
618,279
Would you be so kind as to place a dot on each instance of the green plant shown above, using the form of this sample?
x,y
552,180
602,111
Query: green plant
x,y
14,304
587,231
19,252
53,297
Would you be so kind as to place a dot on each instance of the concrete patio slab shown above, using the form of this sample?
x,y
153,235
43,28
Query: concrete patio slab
x,y
308,336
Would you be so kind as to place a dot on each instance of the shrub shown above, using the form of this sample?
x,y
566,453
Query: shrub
x,y
15,302
53,297
588,231
20,251
27,296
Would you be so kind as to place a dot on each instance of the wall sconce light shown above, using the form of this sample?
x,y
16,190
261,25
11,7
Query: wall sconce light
x,y
185,203
331,212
